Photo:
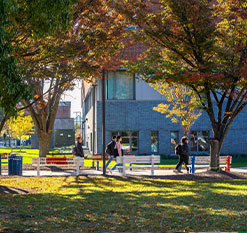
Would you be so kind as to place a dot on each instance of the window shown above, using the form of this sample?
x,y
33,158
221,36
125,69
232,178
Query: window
x,y
174,140
154,141
88,103
199,141
129,140
120,86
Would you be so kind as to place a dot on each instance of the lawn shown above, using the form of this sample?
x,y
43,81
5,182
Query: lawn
x,y
115,204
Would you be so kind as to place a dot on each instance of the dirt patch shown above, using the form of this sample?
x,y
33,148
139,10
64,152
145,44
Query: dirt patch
x,y
208,175
14,190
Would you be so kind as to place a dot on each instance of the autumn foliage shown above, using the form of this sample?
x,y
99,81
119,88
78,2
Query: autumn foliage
x,y
198,43
181,106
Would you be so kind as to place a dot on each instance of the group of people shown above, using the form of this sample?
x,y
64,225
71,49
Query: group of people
x,y
114,149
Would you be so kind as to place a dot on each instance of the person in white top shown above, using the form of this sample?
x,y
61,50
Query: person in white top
x,y
118,151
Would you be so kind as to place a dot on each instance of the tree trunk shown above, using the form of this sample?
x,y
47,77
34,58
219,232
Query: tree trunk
x,y
214,155
44,143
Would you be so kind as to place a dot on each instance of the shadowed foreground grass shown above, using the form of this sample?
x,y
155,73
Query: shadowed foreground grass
x,y
115,204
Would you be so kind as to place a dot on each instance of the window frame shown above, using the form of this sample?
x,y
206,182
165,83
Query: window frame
x,y
197,144
114,86
171,144
158,140
130,132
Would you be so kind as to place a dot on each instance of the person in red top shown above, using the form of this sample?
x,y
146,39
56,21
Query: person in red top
x,y
118,151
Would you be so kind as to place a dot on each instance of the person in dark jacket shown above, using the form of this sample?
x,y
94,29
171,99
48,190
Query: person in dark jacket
x,y
118,152
79,149
110,150
183,153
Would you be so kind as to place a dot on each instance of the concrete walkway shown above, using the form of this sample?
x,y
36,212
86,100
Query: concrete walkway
x,y
136,172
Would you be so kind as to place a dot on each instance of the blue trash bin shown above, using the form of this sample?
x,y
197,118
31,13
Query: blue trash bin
x,y
15,165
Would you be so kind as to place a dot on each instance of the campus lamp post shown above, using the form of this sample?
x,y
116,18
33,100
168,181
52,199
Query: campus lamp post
x,y
94,84
103,121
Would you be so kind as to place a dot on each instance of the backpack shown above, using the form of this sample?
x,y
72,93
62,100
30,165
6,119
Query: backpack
x,y
108,148
178,149
74,150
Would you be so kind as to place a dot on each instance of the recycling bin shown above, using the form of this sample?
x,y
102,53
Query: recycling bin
x,y
15,165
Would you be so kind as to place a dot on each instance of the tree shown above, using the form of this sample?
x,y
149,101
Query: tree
x,y
19,127
36,19
81,52
43,111
183,107
200,44
12,86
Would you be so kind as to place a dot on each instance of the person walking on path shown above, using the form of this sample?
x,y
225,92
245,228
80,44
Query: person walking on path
x,y
110,150
79,149
78,152
182,150
118,151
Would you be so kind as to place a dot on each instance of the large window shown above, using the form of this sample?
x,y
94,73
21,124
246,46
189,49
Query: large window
x,y
199,140
120,86
154,141
174,140
129,140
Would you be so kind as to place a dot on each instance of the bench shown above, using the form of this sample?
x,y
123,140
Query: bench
x,y
152,159
203,161
58,162
99,157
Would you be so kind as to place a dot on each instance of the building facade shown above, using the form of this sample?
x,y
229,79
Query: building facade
x,y
129,113
63,133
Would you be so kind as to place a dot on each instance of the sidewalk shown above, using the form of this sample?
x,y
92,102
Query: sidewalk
x,y
136,172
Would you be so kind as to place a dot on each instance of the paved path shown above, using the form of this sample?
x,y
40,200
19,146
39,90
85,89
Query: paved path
x,y
141,172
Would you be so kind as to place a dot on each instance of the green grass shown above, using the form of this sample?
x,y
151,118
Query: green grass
x,y
27,154
239,162
100,204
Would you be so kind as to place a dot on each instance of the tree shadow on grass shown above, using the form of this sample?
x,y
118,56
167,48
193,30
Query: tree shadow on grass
x,y
120,205
12,190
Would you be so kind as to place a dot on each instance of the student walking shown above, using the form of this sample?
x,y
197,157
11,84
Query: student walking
x,y
110,150
79,149
118,151
182,150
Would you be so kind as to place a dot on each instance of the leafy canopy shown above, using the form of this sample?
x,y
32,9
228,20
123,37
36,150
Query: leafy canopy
x,y
35,19
198,43
183,105
20,126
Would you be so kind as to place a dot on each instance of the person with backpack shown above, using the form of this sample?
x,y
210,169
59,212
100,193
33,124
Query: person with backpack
x,y
78,148
182,150
110,150
118,151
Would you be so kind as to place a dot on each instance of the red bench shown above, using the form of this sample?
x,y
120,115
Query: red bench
x,y
58,162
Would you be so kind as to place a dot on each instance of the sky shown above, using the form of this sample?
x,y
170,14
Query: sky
x,y
75,98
